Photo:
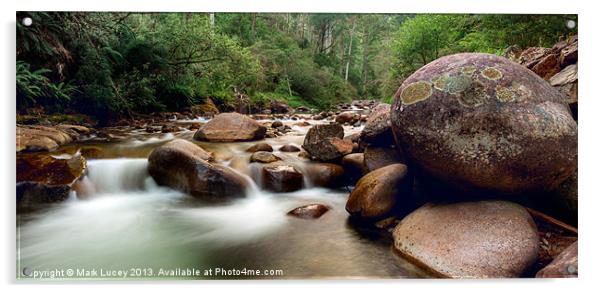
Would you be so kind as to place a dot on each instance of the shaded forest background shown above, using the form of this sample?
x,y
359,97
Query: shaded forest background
x,y
114,65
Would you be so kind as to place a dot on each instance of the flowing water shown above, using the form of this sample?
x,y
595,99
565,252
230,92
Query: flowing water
x,y
119,218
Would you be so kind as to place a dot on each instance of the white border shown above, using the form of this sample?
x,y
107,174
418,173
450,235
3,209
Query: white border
x,y
590,107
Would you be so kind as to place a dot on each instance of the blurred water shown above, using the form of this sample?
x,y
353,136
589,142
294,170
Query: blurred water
x,y
122,219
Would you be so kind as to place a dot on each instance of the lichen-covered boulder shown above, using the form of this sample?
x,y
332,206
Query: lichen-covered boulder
x,y
483,239
43,179
326,143
379,193
185,166
482,122
231,127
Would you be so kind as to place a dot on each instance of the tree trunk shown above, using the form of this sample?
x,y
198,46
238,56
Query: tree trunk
x,y
349,53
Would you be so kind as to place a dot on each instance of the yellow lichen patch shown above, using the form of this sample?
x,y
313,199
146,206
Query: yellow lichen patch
x,y
491,73
441,82
468,70
416,92
504,94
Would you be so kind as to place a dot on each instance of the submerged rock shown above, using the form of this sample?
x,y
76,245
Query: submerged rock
x,y
326,143
231,127
379,193
484,239
43,179
310,211
565,265
281,178
264,157
185,166
482,122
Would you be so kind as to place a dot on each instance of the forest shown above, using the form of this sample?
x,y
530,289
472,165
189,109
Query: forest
x,y
114,65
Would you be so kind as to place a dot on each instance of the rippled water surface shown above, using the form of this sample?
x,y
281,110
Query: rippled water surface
x,y
120,219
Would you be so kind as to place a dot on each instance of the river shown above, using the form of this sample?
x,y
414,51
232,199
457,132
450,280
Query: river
x,y
119,219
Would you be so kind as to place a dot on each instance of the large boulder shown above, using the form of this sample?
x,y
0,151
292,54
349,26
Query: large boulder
x,y
185,166
379,193
326,143
231,127
378,127
482,122
43,179
565,265
483,239
281,178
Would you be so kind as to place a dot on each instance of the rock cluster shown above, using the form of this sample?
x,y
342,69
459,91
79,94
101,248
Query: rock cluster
x,y
557,65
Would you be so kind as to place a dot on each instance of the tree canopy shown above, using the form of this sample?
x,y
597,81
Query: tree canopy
x,y
110,65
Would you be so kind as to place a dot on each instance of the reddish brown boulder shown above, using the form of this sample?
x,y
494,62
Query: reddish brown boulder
x,y
231,127
378,193
282,178
326,143
493,125
326,174
185,166
43,179
564,265
310,211
484,239
354,165
378,157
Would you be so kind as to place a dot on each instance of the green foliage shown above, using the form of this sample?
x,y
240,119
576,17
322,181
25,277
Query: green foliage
x,y
111,65
426,37
33,87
